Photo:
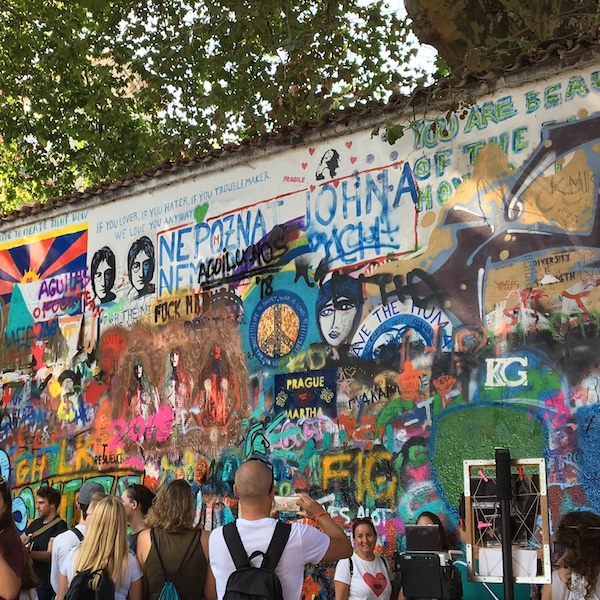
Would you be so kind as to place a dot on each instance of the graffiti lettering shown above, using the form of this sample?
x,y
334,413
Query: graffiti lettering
x,y
370,475
498,374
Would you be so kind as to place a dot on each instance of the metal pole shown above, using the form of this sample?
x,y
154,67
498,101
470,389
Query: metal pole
x,y
504,496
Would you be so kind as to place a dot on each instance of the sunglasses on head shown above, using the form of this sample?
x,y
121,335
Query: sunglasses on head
x,y
262,460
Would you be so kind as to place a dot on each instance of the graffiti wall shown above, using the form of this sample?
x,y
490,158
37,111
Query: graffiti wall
x,y
364,315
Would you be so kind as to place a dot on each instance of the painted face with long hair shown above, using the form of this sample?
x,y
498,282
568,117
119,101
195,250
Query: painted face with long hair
x,y
338,310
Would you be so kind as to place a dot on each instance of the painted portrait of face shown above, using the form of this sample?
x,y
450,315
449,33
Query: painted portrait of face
x,y
329,165
201,472
140,267
339,310
103,271
138,370
229,469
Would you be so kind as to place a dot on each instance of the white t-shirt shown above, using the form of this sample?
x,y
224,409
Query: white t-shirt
x,y
560,590
60,548
371,579
306,544
134,572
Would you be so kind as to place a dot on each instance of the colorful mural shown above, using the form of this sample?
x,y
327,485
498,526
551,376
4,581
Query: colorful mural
x,y
365,315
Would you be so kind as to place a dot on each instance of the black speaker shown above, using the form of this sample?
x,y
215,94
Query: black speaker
x,y
503,478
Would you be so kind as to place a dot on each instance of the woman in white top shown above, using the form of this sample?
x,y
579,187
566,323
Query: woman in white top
x,y
578,577
105,547
365,575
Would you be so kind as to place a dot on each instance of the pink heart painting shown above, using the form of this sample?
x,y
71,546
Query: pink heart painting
x,y
376,582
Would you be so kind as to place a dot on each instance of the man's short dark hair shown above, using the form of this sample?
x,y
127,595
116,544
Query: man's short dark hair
x,y
51,494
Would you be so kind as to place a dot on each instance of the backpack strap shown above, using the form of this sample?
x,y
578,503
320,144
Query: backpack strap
x,y
277,545
77,533
270,557
351,563
181,564
231,535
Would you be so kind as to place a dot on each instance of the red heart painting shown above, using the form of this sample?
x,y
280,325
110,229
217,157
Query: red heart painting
x,y
376,582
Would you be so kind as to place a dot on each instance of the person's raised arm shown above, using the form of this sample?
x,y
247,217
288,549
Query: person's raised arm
x,y
339,544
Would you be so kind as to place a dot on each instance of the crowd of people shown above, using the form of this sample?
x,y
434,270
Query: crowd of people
x,y
164,544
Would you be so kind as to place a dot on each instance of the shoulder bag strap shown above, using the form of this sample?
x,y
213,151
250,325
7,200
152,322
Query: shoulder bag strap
x,y
77,533
232,538
46,527
277,545
351,564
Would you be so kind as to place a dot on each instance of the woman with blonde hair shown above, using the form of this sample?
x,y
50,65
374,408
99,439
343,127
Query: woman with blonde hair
x,y
172,549
105,547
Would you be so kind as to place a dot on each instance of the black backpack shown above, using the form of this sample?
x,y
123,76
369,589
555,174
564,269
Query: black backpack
x,y
255,583
79,588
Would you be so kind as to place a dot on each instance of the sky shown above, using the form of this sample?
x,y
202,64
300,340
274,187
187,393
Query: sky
x,y
426,55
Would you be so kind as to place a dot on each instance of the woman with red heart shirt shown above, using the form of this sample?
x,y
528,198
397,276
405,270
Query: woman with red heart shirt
x,y
365,575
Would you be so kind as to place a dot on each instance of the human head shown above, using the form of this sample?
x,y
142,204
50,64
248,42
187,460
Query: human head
x,y
338,309
105,542
96,497
363,521
47,501
87,490
140,264
365,537
254,482
579,533
174,508
137,497
429,518
104,273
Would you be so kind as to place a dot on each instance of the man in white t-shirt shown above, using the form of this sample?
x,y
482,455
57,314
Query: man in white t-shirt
x,y
62,543
306,544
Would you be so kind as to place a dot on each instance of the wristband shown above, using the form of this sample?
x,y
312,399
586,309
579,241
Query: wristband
x,y
316,519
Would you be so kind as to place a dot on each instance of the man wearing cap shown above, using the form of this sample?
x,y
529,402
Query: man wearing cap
x,y
62,543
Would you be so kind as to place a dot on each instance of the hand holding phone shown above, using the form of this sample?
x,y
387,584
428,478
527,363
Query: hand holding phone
x,y
286,504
